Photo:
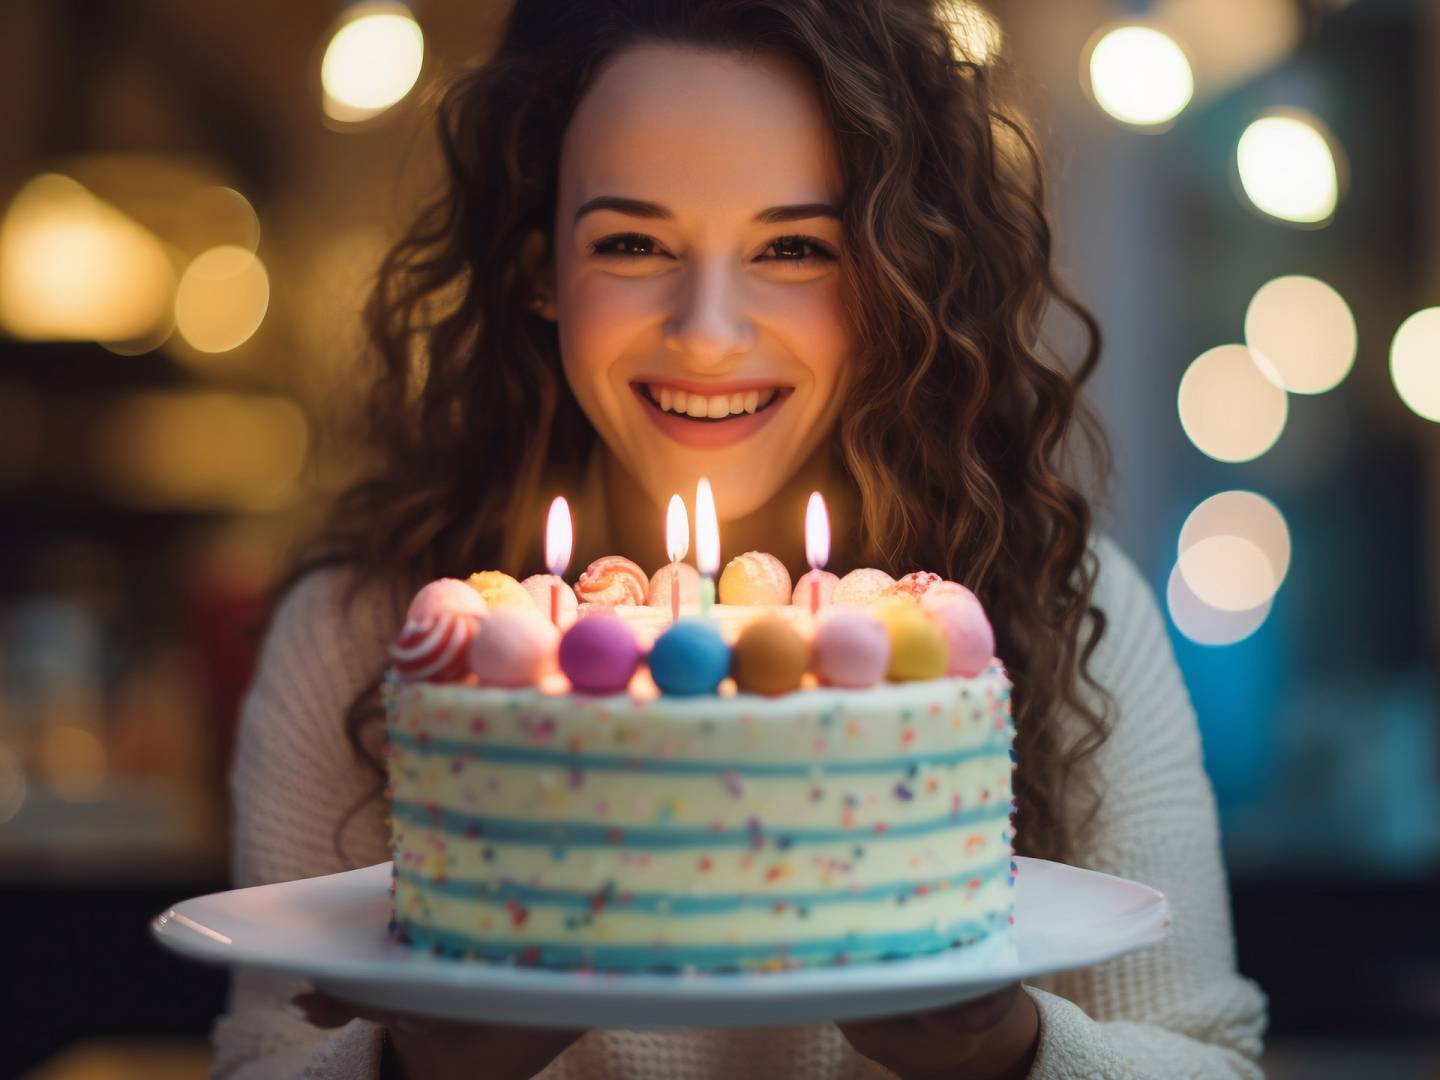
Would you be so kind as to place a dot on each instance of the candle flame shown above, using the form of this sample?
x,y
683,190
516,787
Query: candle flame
x,y
707,531
677,529
559,537
817,532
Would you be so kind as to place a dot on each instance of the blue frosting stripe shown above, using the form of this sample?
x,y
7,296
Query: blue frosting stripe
x,y
562,759
684,903
657,956
590,834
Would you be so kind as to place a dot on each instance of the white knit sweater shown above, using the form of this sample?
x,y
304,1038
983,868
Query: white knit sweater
x,y
1172,1011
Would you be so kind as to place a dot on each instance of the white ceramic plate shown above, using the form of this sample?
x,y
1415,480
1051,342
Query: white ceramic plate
x,y
331,932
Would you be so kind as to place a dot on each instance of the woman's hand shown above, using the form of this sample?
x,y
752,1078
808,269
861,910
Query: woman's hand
x,y
991,1038
430,1049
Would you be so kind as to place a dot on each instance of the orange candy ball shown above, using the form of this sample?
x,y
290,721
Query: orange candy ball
x,y
769,657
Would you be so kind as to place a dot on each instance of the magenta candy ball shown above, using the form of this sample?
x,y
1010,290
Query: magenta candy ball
x,y
513,649
446,596
851,650
599,654
969,638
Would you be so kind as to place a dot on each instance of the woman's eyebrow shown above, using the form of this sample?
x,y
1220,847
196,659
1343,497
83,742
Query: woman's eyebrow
x,y
642,209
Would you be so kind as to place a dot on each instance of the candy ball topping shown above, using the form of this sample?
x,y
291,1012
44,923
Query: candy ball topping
x,y
599,654
689,658
769,657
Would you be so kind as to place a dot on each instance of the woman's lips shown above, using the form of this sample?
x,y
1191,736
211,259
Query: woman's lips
x,y
690,431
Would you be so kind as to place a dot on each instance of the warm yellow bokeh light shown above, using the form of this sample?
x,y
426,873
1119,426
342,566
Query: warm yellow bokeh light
x,y
1415,363
974,33
222,299
1204,624
1228,407
1140,76
1288,168
1301,332
1234,550
73,761
74,268
203,451
372,61
12,784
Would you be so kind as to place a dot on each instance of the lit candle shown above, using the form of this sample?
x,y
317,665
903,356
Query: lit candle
x,y
677,546
817,545
707,543
559,541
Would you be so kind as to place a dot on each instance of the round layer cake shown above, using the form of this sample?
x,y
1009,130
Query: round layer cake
x,y
722,832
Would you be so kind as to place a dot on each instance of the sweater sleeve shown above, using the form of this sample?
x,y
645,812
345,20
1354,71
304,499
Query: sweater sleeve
x,y
1178,1009
294,779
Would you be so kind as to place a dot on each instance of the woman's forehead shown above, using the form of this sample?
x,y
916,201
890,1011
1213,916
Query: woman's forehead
x,y
699,130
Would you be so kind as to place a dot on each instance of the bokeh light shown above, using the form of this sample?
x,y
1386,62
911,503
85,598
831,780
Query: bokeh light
x,y
1302,333
372,61
1288,168
1234,550
74,268
203,450
1415,363
12,784
73,760
1140,76
1229,408
1206,625
974,33
222,299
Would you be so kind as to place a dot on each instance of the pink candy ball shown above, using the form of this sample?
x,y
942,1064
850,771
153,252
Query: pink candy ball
x,y
599,654
851,650
538,586
446,596
817,585
969,638
513,648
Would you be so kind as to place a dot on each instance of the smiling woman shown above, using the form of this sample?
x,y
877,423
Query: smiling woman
x,y
789,246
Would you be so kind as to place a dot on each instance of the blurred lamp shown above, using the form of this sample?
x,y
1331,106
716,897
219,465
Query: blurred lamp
x,y
1206,625
1140,76
74,268
1234,551
1301,333
1228,407
1415,363
222,299
974,34
373,60
1288,168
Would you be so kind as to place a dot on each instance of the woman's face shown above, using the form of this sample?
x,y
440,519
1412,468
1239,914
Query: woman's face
x,y
697,273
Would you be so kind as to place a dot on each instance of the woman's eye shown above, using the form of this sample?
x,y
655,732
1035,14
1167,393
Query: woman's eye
x,y
631,245
798,249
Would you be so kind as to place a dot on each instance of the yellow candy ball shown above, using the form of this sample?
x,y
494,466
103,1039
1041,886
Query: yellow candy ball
x,y
917,647
501,591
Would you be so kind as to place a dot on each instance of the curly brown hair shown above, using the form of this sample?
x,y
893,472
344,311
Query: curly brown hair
x,y
958,428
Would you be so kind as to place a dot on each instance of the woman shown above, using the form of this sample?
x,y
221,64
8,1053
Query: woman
x,y
789,246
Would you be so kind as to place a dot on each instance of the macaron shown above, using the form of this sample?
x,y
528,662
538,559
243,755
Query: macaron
x,y
755,577
501,591
513,648
539,587
599,654
690,657
446,595
657,593
851,649
917,647
612,580
769,657
861,587
816,585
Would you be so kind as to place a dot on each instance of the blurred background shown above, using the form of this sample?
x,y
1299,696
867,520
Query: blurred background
x,y
193,198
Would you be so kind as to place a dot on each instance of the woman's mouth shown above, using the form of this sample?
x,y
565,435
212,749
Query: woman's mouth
x,y
701,414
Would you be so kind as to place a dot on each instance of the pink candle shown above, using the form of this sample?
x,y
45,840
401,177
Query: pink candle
x,y
817,545
677,545
559,541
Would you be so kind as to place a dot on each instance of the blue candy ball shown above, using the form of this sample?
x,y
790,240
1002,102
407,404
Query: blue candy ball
x,y
689,658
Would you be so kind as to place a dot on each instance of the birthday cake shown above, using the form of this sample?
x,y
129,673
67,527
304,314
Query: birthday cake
x,y
791,778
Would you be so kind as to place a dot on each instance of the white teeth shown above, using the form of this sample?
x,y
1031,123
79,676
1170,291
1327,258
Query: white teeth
x,y
711,407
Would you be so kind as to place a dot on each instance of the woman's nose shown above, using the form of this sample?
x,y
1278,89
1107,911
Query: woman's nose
x,y
709,326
